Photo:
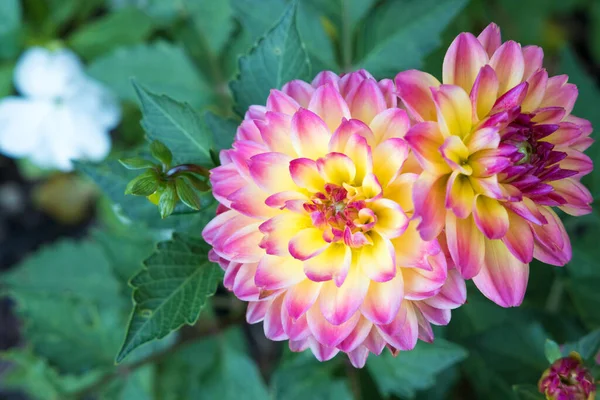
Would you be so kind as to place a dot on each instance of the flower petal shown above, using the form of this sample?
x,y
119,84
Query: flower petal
x,y
454,110
366,101
299,90
275,272
484,92
271,172
326,333
533,57
329,104
425,139
307,243
305,174
491,217
552,243
509,65
337,168
310,135
490,38
465,244
391,219
463,60
503,278
414,90
338,304
301,297
378,261
429,194
281,103
519,238
383,300
388,158
333,263
391,123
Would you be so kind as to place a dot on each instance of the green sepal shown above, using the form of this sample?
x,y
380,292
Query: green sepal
x,y
136,163
167,201
161,152
186,193
143,185
552,351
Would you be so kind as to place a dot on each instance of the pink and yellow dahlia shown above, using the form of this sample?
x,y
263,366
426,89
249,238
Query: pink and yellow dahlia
x,y
314,229
499,148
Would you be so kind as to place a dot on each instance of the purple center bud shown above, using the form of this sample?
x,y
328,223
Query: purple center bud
x,y
567,379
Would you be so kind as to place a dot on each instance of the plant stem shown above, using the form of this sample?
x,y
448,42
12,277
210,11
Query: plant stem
x,y
354,381
346,39
126,369
188,168
555,295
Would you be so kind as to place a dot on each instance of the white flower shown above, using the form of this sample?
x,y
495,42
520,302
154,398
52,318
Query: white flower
x,y
63,114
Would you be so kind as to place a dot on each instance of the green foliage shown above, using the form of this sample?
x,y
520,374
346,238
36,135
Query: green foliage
x,y
399,34
528,392
128,26
301,376
112,179
144,184
222,130
170,291
587,347
177,125
162,67
10,26
413,370
278,58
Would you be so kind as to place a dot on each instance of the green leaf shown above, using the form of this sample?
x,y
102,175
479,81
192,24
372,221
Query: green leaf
x,y
186,193
320,48
161,67
170,291
143,185
125,250
585,295
277,58
167,201
234,373
10,25
112,179
71,304
552,351
161,152
303,377
257,20
413,370
163,12
399,34
212,22
136,163
177,125
6,79
125,27
587,347
528,392
511,353
33,375
222,130
66,268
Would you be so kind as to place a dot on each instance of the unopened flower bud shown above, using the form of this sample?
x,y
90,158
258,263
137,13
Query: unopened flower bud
x,y
567,379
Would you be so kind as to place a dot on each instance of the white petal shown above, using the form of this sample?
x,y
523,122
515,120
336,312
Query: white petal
x,y
99,103
21,125
44,74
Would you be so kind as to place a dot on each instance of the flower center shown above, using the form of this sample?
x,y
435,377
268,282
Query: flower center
x,y
341,215
534,161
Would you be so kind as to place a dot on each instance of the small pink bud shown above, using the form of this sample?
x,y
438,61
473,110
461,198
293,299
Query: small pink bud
x,y
567,379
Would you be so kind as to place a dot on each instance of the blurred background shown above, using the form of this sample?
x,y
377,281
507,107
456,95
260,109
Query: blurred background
x,y
58,228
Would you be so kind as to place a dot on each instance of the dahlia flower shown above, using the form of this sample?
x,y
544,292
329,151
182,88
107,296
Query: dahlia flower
x,y
499,148
61,115
568,379
314,228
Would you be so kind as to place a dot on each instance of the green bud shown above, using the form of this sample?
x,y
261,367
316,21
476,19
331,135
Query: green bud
x,y
143,185
186,193
167,201
137,163
161,152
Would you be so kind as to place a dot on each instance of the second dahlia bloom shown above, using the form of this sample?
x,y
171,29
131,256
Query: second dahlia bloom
x,y
314,226
499,148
